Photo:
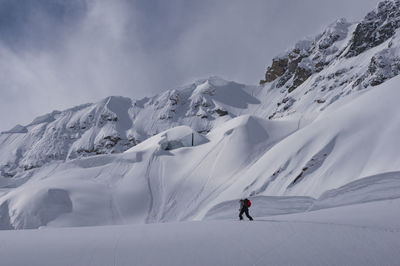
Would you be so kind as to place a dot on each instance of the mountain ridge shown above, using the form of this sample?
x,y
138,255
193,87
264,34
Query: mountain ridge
x,y
320,120
303,81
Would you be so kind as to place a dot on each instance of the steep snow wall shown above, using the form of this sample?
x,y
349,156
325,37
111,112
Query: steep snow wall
x,y
301,83
245,156
327,114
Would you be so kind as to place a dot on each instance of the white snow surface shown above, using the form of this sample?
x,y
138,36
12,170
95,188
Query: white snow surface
x,y
157,181
165,178
115,124
365,234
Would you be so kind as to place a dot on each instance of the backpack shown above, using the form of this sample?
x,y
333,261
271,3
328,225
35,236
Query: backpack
x,y
248,202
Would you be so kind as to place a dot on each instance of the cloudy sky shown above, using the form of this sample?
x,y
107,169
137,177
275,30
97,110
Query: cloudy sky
x,y
55,54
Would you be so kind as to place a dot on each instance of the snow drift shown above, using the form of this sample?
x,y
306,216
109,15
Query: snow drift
x,y
325,121
165,178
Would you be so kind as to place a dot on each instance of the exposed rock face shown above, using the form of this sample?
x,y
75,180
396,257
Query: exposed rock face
x,y
383,65
277,69
221,112
336,63
84,130
307,57
115,124
378,26
302,73
303,80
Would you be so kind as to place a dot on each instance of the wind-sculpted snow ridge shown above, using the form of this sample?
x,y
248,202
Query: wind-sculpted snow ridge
x,y
172,176
384,186
339,63
181,175
116,124
321,120
379,187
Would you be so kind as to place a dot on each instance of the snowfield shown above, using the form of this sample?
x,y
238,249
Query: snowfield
x,y
365,234
165,178
157,181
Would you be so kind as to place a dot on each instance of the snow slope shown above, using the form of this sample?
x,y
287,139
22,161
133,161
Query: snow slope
x,y
157,181
115,124
165,178
302,83
190,153
369,189
366,234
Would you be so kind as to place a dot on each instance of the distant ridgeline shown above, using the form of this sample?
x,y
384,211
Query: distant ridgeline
x,y
343,60
321,130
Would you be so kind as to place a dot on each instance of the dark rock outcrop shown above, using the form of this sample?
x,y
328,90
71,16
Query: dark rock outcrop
x,y
277,69
301,75
221,112
307,57
383,66
378,26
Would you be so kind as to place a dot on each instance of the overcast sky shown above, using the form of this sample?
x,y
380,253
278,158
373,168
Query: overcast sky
x,y
55,54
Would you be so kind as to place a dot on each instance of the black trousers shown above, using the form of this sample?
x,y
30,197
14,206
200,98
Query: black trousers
x,y
246,211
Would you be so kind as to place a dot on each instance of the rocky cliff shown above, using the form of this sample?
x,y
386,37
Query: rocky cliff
x,y
345,59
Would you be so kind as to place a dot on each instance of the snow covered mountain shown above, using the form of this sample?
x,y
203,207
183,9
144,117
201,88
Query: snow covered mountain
x,y
325,116
343,60
116,124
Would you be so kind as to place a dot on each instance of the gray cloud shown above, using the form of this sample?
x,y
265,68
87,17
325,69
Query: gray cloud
x,y
55,54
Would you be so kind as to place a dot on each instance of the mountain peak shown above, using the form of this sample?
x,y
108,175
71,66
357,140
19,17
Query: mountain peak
x,y
308,56
343,59
17,129
377,26
213,81
302,82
